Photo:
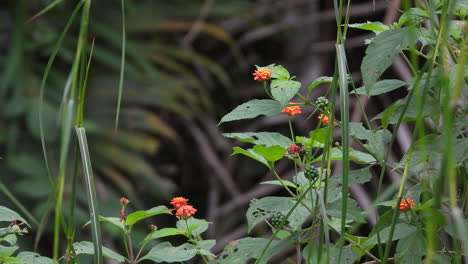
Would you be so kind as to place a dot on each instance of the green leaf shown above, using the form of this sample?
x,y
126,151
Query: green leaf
x,y
49,113
86,247
284,90
33,257
402,230
165,252
267,139
10,239
376,139
252,109
249,248
451,229
113,220
355,156
204,247
250,153
354,177
195,226
381,53
281,183
7,251
411,249
139,215
311,251
319,80
8,215
371,26
262,209
165,232
270,154
353,211
279,72
381,87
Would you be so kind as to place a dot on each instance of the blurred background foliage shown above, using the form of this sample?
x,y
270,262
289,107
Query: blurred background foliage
x,y
188,63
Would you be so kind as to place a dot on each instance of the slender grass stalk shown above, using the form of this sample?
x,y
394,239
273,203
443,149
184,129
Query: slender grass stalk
x,y
17,203
91,194
43,11
122,67
344,107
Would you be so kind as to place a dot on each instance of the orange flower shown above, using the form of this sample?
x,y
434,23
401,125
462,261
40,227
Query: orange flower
x,y
406,204
294,149
324,118
292,110
185,211
262,74
179,201
124,201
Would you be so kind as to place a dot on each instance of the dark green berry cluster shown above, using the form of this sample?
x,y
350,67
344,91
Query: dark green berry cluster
x,y
322,102
276,220
311,172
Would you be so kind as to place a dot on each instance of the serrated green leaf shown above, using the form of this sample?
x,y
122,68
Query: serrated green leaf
x,y
311,251
353,210
381,87
252,109
271,154
267,139
34,258
249,248
204,247
86,247
195,226
139,215
284,90
372,26
164,232
7,251
355,156
411,249
380,54
402,230
264,208
279,72
165,252
10,239
251,154
8,215
281,183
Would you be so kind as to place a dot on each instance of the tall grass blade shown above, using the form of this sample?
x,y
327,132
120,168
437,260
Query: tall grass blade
x,y
43,83
344,108
43,11
91,194
18,204
122,68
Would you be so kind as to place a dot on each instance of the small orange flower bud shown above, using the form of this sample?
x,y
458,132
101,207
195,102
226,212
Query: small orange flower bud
x,y
262,74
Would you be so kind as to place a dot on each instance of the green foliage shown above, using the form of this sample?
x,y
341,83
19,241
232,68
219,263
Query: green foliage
x,y
86,247
134,217
380,54
253,109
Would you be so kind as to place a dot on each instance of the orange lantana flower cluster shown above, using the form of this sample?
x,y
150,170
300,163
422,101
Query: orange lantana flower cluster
x,y
181,208
325,119
262,74
406,204
292,110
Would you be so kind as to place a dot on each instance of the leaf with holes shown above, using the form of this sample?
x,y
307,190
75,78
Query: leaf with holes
x,y
380,54
165,252
86,247
252,109
262,209
284,90
267,139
